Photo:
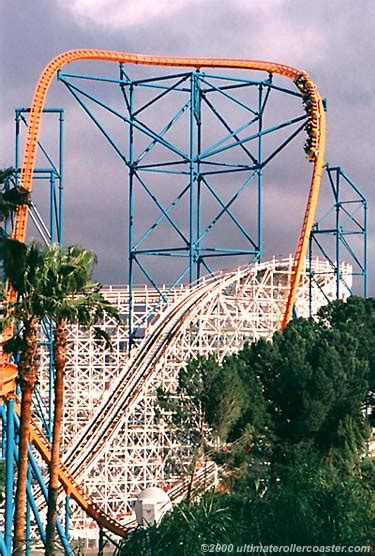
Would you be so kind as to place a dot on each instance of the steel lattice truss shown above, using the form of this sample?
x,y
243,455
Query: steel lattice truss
x,y
136,449
196,147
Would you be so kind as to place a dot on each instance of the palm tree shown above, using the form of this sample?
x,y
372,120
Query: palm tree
x,y
13,261
56,284
70,297
11,251
26,312
47,282
12,198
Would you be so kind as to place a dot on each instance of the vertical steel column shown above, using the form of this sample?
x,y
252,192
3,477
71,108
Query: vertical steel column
x,y
51,379
260,170
60,238
52,206
131,213
28,516
191,180
198,119
338,235
52,224
17,143
9,472
310,274
67,516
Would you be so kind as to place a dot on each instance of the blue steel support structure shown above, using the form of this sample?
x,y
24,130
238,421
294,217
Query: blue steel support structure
x,y
192,165
340,235
218,158
48,223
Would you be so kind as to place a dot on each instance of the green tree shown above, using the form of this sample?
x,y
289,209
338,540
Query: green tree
x,y
208,395
315,380
24,315
54,284
69,297
304,477
312,505
183,531
356,318
13,260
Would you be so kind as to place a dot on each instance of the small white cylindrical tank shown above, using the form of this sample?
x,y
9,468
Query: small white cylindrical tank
x,y
151,505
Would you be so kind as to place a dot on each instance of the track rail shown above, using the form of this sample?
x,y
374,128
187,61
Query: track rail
x,y
316,155
140,371
126,393
72,488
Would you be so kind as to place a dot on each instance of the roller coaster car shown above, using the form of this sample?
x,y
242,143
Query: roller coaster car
x,y
312,155
300,81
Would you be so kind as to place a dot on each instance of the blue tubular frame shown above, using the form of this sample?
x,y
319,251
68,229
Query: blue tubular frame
x,y
237,154
11,420
53,173
346,219
236,151
51,231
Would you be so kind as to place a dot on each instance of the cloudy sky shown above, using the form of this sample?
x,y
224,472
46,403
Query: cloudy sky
x,y
333,41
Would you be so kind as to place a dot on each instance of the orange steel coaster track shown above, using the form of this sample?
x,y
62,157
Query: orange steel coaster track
x,y
315,155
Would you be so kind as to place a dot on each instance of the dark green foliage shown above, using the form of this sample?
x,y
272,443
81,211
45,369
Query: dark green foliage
x,y
356,319
183,531
10,197
12,252
10,200
313,505
252,410
13,258
296,415
315,380
206,394
53,282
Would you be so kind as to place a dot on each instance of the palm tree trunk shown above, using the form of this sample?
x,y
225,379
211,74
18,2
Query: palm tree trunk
x,y
59,356
28,374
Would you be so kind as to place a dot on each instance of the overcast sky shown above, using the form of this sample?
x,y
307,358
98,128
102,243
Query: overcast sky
x,y
333,41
